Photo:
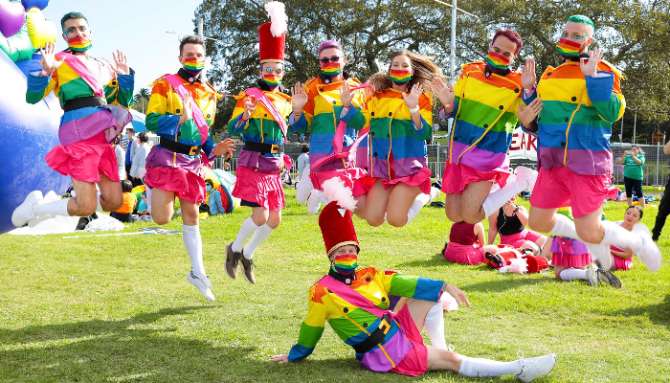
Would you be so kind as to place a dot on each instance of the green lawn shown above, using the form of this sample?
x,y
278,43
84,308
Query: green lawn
x,y
118,309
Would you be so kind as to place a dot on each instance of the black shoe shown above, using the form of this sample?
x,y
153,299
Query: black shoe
x,y
248,266
609,278
83,221
232,261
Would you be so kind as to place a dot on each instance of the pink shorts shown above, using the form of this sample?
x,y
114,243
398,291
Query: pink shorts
x,y
264,189
464,254
186,185
85,160
420,179
457,177
560,187
517,240
415,362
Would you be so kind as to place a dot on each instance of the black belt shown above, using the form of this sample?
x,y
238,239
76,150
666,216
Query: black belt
x,y
376,337
83,102
178,147
262,148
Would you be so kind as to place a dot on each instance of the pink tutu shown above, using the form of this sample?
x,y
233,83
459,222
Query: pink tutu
x,y
464,254
569,253
421,179
354,178
457,177
186,185
517,240
85,160
265,189
621,263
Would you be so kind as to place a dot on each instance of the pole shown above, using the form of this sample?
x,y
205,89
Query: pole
x,y
454,16
634,127
201,27
658,164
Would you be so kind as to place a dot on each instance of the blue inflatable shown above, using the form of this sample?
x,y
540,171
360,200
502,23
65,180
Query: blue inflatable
x,y
28,132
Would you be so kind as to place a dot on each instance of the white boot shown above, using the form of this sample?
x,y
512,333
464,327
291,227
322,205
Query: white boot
x,y
533,368
26,210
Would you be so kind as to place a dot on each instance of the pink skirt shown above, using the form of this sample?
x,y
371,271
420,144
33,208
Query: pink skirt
x,y
186,185
464,254
265,189
355,179
420,179
457,177
415,362
85,160
621,263
569,253
517,240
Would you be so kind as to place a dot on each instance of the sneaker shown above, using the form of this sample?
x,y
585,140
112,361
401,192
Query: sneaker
x,y
601,254
202,284
647,250
25,211
248,266
533,368
592,276
83,222
526,176
605,276
232,261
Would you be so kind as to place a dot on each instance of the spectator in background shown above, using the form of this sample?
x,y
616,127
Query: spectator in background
x,y
303,161
214,199
128,205
120,158
633,172
130,148
138,169
664,207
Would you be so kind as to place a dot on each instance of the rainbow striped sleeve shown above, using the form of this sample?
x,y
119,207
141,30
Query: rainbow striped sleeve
x,y
312,327
606,97
236,126
413,287
159,119
120,90
39,87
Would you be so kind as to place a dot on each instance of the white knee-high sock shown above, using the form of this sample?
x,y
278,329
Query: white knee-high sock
x,y
261,234
52,209
420,201
435,326
478,367
573,274
247,228
193,244
564,227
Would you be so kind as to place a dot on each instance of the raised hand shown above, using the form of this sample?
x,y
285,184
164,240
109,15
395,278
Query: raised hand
x,y
528,113
48,61
249,106
120,65
281,358
188,110
528,76
589,66
346,95
225,148
457,293
299,97
443,91
412,99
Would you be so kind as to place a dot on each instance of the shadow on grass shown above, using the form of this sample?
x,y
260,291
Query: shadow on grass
x,y
658,313
435,260
507,282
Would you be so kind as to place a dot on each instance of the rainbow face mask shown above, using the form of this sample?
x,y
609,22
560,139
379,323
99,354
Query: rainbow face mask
x,y
568,48
331,69
345,264
79,44
193,65
400,76
498,61
271,80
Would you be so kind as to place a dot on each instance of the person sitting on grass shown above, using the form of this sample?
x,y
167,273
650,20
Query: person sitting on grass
x,y
623,258
465,244
510,222
129,200
214,201
355,302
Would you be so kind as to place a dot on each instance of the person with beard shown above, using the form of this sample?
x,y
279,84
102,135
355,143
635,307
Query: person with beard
x,y
355,301
484,103
94,95
581,99
260,118
181,110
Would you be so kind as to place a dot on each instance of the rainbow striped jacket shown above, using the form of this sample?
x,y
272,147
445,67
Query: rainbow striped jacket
x,y
484,110
351,323
575,124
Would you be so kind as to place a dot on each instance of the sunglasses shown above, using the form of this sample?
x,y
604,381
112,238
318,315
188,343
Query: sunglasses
x,y
332,59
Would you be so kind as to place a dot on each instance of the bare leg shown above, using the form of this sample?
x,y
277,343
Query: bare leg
x,y
111,196
162,206
472,199
400,200
375,206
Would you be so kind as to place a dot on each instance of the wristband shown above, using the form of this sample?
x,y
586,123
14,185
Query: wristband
x,y
414,110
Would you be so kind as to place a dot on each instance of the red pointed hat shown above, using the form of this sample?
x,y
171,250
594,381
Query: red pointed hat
x,y
272,35
336,227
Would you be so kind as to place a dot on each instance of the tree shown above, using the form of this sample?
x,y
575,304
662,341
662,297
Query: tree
x,y
141,100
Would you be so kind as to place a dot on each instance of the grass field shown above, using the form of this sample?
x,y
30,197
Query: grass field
x,y
118,309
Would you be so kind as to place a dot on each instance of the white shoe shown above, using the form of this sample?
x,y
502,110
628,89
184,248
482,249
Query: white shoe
x,y
25,211
203,284
592,275
51,196
647,250
601,254
533,368
526,176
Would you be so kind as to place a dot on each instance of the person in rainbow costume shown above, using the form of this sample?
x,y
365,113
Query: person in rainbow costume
x,y
260,117
400,115
94,95
181,110
484,104
355,301
581,99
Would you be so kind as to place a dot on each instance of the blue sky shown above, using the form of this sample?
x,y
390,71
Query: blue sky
x,y
136,27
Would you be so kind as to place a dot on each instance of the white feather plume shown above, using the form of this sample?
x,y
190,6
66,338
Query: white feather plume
x,y
335,190
277,12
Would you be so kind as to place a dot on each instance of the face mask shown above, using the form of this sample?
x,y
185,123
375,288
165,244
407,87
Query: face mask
x,y
331,69
568,48
400,76
498,61
79,44
271,80
193,65
345,264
